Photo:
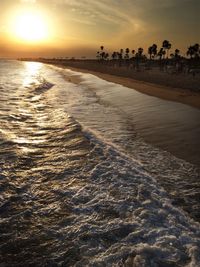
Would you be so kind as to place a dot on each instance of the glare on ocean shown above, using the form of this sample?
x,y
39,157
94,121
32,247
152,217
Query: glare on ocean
x,y
32,69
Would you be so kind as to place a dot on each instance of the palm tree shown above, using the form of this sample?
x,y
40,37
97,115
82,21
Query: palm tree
x,y
102,52
103,55
150,52
167,46
161,53
140,51
114,55
98,55
197,50
127,53
190,51
119,55
176,53
194,51
132,58
154,49
106,56
138,56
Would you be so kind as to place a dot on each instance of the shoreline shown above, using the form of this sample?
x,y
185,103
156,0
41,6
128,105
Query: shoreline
x,y
180,95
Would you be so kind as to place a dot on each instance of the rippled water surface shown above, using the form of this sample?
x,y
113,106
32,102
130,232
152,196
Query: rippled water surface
x,y
82,182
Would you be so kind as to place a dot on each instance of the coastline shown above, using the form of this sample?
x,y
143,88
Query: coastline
x,y
180,95
184,96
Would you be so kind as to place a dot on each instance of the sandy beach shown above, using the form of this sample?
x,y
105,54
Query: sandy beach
x,y
99,133
173,87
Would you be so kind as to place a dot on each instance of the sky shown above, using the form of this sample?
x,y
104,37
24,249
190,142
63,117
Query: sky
x,y
76,28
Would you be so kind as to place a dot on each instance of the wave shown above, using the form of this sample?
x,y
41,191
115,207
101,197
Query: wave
x,y
43,86
107,110
71,198
93,206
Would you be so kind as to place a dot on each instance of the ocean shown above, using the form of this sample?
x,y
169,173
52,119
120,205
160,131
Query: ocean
x,y
95,174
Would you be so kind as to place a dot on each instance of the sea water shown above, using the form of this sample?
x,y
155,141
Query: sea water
x,y
82,181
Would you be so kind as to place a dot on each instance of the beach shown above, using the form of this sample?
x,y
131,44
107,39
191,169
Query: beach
x,y
80,185
182,88
99,133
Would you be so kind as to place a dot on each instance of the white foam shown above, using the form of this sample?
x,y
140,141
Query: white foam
x,y
126,219
100,208
119,115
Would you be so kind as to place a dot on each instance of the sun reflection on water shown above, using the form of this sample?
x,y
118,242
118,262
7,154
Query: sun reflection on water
x,y
32,71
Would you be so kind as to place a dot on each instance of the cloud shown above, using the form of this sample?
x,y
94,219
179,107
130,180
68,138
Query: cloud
x,y
83,21
132,21
28,1
97,10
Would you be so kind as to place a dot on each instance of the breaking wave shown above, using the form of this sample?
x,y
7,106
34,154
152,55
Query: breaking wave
x,y
71,197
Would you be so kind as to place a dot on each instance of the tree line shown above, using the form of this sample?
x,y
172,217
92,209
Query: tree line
x,y
193,52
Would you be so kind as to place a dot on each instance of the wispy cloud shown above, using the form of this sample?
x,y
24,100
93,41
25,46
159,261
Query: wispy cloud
x,y
28,1
96,10
117,22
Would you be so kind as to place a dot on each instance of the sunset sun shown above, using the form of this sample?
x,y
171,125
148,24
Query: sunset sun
x,y
30,27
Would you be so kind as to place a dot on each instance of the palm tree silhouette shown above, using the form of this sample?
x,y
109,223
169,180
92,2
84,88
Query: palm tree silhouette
x,y
123,56
98,55
106,56
140,51
127,53
193,51
114,55
150,52
102,54
176,53
161,53
196,49
154,49
190,51
167,46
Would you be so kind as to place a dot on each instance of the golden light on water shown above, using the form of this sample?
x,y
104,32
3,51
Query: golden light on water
x,y
29,26
32,68
32,71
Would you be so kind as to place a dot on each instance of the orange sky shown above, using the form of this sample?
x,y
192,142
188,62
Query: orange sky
x,y
78,27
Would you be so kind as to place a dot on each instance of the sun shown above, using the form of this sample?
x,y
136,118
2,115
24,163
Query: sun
x,y
30,27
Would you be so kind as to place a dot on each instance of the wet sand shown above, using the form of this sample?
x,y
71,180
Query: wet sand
x,y
181,95
179,87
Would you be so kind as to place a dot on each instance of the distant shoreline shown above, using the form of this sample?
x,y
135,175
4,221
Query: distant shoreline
x,y
180,88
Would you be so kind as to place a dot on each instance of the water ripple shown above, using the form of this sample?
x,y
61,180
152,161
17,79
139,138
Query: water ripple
x,y
69,198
